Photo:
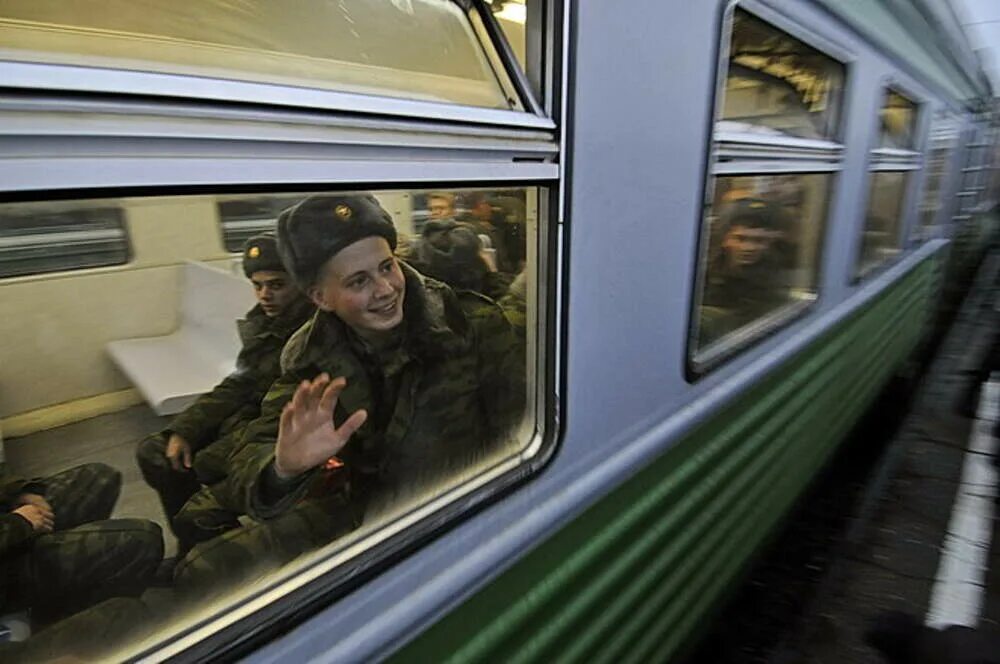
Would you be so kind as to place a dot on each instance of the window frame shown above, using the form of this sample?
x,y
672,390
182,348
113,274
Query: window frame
x,y
110,80
122,237
747,154
493,148
893,160
924,230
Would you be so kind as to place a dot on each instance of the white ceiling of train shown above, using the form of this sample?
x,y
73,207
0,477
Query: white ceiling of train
x,y
981,21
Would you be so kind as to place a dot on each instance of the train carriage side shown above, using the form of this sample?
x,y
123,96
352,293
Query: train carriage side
x,y
701,472
724,226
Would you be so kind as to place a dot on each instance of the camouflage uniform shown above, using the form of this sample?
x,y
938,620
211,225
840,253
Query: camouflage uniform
x,y
448,394
216,419
733,298
87,558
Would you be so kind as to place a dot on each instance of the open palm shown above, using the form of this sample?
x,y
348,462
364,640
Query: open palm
x,y
307,436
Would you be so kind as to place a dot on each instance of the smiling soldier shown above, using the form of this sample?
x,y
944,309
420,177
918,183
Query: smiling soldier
x,y
396,383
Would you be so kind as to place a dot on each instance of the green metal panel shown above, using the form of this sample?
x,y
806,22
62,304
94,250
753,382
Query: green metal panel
x,y
899,27
632,578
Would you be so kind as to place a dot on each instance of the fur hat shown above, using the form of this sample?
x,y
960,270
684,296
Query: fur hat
x,y
754,213
260,254
312,231
449,251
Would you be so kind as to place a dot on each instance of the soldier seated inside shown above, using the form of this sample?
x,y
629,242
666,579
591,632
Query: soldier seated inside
x,y
194,449
744,280
60,552
397,382
501,219
452,252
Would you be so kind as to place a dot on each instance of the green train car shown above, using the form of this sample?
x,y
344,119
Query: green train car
x,y
714,231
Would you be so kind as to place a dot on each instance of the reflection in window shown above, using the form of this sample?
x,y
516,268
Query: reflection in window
x,y
433,339
764,234
882,237
775,82
424,49
943,139
897,119
512,15
60,236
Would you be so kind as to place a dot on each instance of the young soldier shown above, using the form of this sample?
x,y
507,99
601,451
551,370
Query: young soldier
x,y
194,449
744,281
420,379
59,553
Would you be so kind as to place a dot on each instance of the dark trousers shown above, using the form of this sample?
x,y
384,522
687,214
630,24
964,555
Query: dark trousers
x,y
177,487
87,558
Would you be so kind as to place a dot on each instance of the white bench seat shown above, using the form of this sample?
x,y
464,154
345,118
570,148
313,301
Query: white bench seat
x,y
173,370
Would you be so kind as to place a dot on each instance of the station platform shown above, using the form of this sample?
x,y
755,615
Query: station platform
x,y
904,519
923,537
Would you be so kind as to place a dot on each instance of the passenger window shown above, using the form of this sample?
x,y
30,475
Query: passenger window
x,y
169,378
242,217
764,235
898,119
762,232
60,236
891,164
511,16
353,46
777,84
943,140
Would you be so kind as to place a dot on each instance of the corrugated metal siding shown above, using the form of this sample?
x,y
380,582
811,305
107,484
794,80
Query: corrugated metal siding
x,y
632,577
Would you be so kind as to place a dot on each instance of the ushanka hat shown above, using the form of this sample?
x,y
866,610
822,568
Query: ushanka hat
x,y
260,254
314,230
754,213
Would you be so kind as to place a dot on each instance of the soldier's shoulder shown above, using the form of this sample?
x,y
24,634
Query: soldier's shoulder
x,y
296,349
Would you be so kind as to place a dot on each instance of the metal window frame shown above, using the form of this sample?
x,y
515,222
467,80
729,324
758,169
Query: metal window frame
x,y
895,160
110,80
747,154
72,145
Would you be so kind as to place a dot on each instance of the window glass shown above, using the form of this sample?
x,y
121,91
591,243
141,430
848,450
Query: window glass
x,y
242,217
512,15
897,121
777,84
881,239
433,339
421,49
60,236
763,240
943,139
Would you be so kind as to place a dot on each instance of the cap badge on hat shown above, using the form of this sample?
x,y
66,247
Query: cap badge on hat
x,y
758,204
253,252
343,211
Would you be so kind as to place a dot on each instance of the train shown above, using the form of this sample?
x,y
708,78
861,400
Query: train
x,y
734,223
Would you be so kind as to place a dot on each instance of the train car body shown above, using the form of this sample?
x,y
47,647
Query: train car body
x,y
657,452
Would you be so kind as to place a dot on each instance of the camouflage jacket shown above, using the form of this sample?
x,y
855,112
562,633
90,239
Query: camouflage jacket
x,y
236,400
14,529
458,386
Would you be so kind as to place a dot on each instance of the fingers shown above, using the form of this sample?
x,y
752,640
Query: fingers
x,y
46,512
352,424
328,401
286,425
300,400
174,457
186,453
316,390
48,523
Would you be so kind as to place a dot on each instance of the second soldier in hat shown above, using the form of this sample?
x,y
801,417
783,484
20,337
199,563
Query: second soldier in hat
x,y
397,384
193,450
745,278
